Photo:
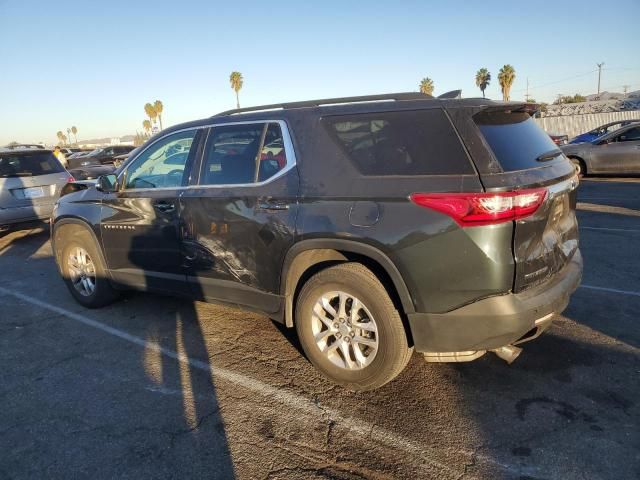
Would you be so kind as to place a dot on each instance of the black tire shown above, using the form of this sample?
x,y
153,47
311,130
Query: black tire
x,y
69,239
393,352
580,166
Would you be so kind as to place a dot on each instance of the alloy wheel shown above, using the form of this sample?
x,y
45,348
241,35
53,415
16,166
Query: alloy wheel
x,y
344,330
82,271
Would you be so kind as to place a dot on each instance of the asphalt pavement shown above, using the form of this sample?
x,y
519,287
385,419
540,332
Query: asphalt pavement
x,y
157,387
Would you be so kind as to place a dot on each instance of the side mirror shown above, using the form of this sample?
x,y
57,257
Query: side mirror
x,y
107,183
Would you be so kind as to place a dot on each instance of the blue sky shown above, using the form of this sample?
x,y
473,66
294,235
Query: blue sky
x,y
95,64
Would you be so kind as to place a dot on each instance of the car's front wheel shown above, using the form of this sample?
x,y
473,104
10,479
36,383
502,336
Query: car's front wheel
x,y
83,269
350,329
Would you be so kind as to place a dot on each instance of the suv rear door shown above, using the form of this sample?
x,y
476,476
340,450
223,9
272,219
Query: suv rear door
x,y
513,153
239,214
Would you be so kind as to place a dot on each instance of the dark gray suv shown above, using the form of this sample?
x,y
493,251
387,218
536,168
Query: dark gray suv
x,y
375,226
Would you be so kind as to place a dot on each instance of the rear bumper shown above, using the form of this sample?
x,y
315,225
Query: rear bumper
x,y
9,216
496,321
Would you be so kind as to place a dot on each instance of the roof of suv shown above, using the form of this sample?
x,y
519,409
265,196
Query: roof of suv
x,y
345,106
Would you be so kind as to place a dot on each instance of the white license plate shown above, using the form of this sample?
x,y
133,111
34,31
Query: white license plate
x,y
33,192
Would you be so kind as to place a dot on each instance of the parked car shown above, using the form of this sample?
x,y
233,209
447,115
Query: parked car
x,y
16,146
91,171
120,159
559,139
617,152
79,154
396,222
99,156
601,130
30,182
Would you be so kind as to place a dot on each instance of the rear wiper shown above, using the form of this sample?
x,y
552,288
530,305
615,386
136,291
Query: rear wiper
x,y
550,155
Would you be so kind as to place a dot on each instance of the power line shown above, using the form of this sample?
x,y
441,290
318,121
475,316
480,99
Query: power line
x,y
558,81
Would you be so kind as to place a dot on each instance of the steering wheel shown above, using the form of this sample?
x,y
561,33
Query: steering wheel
x,y
174,177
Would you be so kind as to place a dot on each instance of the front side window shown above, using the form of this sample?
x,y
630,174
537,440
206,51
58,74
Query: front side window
x,y
163,164
243,154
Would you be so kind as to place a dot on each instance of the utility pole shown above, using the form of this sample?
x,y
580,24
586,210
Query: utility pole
x,y
526,97
625,89
599,73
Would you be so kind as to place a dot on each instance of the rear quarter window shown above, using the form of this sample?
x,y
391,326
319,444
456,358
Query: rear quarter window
x,y
28,164
516,140
408,143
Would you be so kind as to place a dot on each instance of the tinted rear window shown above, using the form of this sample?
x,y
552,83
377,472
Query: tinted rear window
x,y
516,140
419,142
28,164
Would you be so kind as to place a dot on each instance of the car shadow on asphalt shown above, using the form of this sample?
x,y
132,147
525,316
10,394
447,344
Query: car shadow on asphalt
x,y
182,334
23,242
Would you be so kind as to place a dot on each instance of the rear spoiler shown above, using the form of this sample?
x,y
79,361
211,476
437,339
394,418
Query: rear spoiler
x,y
520,107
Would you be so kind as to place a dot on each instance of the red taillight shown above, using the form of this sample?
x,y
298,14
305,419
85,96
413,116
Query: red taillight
x,y
70,179
474,209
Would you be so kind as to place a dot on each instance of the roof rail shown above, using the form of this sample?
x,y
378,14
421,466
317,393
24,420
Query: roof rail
x,y
330,101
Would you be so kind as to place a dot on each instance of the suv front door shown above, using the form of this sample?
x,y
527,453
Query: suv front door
x,y
239,214
140,223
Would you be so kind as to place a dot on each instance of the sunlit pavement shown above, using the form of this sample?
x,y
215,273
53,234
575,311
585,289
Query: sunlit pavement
x,y
155,387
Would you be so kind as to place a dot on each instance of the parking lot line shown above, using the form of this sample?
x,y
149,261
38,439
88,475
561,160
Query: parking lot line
x,y
359,428
605,229
611,290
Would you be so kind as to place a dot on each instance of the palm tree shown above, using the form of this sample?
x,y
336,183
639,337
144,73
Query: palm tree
x,y
146,124
506,77
157,106
64,139
74,130
151,112
426,86
483,79
60,136
236,81
69,133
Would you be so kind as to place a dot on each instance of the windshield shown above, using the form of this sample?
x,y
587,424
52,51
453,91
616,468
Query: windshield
x,y
95,152
28,165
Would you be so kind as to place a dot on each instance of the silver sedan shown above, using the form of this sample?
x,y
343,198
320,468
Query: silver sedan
x,y
617,152
30,184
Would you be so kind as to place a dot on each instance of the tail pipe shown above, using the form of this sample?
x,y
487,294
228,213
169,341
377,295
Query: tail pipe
x,y
508,353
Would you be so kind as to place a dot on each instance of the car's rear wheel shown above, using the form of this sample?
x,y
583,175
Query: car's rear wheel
x,y
83,269
580,167
350,329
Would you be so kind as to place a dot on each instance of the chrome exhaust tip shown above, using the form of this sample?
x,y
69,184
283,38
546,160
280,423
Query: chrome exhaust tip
x,y
508,353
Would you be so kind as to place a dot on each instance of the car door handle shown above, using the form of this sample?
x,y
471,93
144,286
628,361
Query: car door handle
x,y
164,207
270,205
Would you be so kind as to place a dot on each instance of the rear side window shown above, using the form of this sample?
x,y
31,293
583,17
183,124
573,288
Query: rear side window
x,y
28,164
420,142
517,142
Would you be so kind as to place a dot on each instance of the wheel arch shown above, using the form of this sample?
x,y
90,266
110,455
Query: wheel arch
x,y
581,160
310,256
71,222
